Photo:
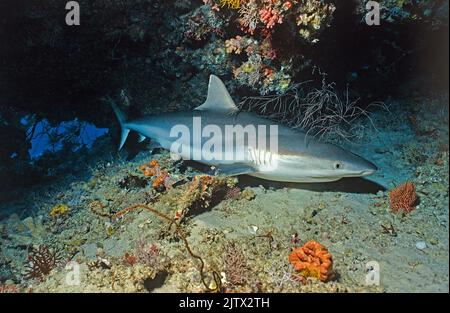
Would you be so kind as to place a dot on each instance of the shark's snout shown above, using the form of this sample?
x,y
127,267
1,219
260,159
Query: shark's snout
x,y
367,172
360,166
370,169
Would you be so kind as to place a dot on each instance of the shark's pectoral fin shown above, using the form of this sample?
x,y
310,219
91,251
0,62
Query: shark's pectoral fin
x,y
233,169
218,98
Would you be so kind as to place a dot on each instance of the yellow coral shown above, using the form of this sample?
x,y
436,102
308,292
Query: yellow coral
x,y
58,210
284,83
248,68
232,4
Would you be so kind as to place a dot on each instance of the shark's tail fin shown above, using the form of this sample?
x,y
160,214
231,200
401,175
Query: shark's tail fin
x,y
121,118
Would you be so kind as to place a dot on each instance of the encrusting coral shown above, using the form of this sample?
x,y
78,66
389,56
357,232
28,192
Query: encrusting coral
x,y
403,198
312,260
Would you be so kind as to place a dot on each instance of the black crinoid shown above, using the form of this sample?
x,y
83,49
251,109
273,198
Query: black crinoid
x,y
40,262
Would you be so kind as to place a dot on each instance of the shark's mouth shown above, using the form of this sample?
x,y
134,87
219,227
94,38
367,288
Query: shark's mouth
x,y
320,179
360,174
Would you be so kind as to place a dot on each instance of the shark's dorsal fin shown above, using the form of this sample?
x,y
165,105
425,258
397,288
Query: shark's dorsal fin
x,y
218,98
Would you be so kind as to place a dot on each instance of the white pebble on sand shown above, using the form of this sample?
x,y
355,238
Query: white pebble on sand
x,y
421,245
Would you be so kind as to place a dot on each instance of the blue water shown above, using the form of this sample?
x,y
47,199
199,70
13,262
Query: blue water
x,y
46,138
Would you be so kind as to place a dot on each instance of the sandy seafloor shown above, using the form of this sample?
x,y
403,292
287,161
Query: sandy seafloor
x,y
345,216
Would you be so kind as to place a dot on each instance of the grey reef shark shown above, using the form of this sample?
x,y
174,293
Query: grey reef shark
x,y
236,142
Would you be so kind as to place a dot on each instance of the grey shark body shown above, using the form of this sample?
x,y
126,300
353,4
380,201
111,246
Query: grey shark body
x,y
297,157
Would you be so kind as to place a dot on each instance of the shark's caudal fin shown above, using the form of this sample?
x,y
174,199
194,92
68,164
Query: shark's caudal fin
x,y
218,98
123,126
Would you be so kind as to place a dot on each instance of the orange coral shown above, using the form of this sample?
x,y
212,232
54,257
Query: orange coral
x,y
151,169
403,198
161,180
154,169
312,260
202,183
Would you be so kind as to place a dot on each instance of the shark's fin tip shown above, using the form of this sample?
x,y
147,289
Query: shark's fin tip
x,y
141,138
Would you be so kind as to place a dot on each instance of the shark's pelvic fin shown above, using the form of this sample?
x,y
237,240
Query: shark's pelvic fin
x,y
234,169
141,138
218,98
123,126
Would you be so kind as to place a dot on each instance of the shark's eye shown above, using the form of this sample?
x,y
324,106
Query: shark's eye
x,y
337,165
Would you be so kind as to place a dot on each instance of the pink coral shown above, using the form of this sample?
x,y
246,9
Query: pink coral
x,y
147,254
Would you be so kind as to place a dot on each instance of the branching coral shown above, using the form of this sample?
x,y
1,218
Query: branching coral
x,y
249,17
270,17
264,69
319,111
232,4
238,44
41,262
403,198
257,71
312,260
203,23
312,16
236,269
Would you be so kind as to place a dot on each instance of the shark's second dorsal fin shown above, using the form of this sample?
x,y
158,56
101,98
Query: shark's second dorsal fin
x,y
218,98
